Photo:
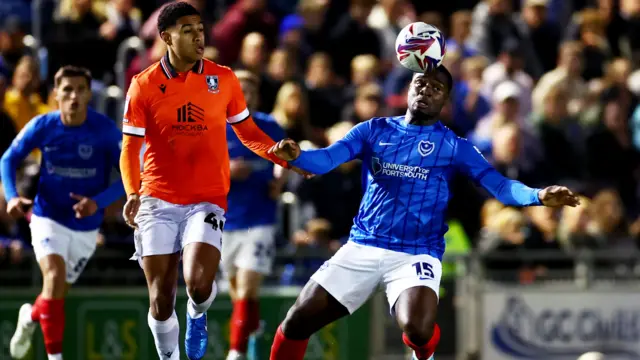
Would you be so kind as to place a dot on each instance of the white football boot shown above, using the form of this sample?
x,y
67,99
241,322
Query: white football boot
x,y
21,340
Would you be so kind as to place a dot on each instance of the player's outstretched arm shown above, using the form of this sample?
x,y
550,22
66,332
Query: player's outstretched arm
x,y
507,191
256,140
22,145
321,161
116,190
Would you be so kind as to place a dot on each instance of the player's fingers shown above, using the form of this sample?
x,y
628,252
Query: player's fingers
x,y
26,201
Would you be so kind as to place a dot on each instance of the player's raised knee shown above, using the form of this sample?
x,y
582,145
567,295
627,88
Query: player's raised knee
x,y
161,304
199,286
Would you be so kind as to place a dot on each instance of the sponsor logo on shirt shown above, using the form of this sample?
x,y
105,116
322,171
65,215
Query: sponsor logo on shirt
x,y
190,120
398,170
74,173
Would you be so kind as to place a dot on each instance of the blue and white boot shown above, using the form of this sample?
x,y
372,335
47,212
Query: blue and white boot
x,y
416,358
196,338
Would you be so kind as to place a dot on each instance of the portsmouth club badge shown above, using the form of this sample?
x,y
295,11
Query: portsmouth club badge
x,y
212,84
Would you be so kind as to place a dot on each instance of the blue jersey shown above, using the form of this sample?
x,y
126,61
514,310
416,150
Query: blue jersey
x,y
249,201
407,170
75,159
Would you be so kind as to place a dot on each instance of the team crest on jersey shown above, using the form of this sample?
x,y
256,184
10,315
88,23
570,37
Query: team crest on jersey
x,y
212,83
426,147
85,151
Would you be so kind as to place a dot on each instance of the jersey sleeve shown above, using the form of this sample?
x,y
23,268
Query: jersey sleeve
x,y
28,138
470,161
350,147
134,120
237,110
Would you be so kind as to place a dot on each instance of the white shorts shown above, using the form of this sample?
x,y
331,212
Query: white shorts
x,y
166,228
355,271
249,249
76,247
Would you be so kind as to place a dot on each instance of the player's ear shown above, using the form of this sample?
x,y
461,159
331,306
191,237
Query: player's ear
x,y
166,37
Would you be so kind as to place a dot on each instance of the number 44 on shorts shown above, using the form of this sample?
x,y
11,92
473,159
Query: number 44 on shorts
x,y
424,270
214,222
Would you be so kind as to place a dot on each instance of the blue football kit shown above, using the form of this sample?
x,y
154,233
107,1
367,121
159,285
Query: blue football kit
x,y
407,170
75,159
249,203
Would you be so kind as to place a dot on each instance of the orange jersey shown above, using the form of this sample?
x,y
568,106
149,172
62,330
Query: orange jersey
x,y
182,118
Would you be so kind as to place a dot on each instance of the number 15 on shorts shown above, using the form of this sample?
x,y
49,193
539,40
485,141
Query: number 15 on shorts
x,y
424,270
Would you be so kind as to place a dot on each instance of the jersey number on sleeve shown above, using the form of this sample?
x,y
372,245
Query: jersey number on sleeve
x,y
424,270
214,222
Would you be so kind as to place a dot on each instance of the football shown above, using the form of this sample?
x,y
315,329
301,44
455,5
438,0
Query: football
x,y
420,47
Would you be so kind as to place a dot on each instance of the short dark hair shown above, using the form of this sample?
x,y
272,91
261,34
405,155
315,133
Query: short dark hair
x,y
71,71
170,14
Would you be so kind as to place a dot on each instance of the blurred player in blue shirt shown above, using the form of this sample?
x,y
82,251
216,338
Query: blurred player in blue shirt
x,y
248,246
397,239
80,149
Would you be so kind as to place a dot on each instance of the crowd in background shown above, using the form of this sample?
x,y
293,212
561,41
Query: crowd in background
x,y
546,89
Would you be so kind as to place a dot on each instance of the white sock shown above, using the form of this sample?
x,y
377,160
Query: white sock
x,y
54,356
166,335
235,355
197,310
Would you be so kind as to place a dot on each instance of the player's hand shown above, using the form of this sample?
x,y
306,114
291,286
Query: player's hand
x,y
557,196
84,207
286,150
130,210
17,207
239,169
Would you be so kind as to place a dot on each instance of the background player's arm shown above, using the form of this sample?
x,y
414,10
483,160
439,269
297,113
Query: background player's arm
x,y
321,161
133,129
510,192
246,129
27,140
116,189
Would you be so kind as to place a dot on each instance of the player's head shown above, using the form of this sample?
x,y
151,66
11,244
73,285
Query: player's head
x,y
181,28
72,86
429,92
250,84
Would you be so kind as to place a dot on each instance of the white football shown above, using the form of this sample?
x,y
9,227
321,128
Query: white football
x,y
420,47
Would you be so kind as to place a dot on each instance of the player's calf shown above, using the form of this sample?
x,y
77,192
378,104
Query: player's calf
x,y
416,310
50,304
245,318
314,309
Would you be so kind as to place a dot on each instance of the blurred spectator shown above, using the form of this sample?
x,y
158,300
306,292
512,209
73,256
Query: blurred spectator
x,y
545,34
460,32
559,134
367,104
509,67
245,17
351,37
608,224
282,67
568,72
292,37
616,74
22,102
342,185
12,47
434,18
573,230
7,127
616,166
592,34
82,37
253,54
153,54
469,104
387,18
509,155
291,111
125,18
494,24
326,98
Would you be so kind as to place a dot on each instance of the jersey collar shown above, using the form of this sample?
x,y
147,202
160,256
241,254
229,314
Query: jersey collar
x,y
171,73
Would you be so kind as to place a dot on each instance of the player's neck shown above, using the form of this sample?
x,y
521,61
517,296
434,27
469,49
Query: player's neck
x,y
74,119
420,119
179,65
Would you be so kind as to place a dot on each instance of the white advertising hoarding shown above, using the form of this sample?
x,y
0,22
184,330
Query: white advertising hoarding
x,y
560,325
